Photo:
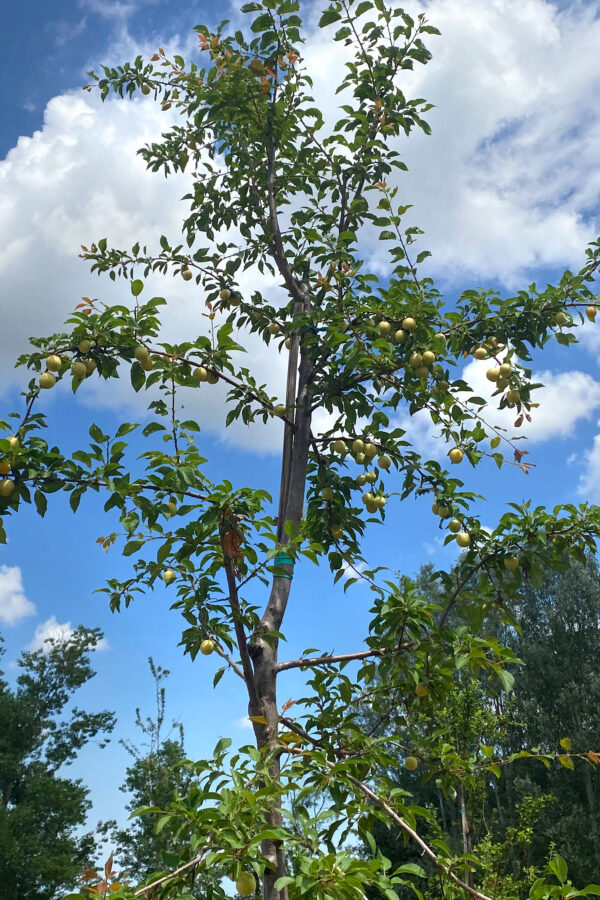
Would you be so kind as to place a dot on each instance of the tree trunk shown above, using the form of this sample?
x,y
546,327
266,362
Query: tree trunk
x,y
466,830
263,648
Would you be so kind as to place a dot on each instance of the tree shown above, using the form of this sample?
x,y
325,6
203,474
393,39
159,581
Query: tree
x,y
294,199
516,820
42,849
155,777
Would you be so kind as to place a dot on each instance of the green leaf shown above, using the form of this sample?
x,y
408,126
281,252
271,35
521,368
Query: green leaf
x,y
330,15
41,503
558,867
137,287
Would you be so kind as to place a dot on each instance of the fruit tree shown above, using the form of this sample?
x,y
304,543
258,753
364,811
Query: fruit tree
x,y
276,189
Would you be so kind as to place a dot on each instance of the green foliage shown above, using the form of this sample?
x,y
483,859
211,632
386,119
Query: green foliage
x,y
273,188
42,849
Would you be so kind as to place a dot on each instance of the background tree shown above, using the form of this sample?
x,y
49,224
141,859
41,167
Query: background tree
x,y
273,188
517,819
42,848
155,778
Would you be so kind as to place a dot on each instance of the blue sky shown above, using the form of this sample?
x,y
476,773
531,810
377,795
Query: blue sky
x,y
507,190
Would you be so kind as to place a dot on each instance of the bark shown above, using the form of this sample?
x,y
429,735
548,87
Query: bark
x,y
263,649
466,830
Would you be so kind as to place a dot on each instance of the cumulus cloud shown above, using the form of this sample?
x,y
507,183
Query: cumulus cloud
x,y
510,178
566,399
56,631
508,181
14,603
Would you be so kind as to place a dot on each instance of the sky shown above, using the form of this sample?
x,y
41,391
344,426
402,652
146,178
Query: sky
x,y
507,191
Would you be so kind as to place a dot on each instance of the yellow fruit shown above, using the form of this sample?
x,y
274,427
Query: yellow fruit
x,y
370,450
358,446
368,497
411,763
13,441
78,369
384,328
7,486
371,506
409,324
47,380
463,539
442,387
90,366
493,374
186,274
279,410
84,346
384,462
245,884
505,370
200,373
400,336
560,318
454,526
439,340
456,455
327,493
371,477
147,364
415,360
339,446
380,501
288,343
53,363
172,507
422,372
146,89
511,563
4,467
169,576
360,458
337,531
274,328
421,690
443,512
591,313
480,353
513,396
435,509
428,358
207,647
212,377
224,294
362,479
141,352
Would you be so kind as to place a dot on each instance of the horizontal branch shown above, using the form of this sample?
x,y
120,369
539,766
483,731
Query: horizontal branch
x,y
305,661
189,865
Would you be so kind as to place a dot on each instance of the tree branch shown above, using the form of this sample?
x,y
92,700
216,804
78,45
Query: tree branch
x,y
306,661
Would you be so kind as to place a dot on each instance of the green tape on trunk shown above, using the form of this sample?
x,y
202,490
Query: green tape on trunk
x,y
283,559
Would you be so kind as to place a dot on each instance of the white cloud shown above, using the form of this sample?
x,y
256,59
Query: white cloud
x,y
507,182
510,177
565,399
56,631
243,722
14,604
